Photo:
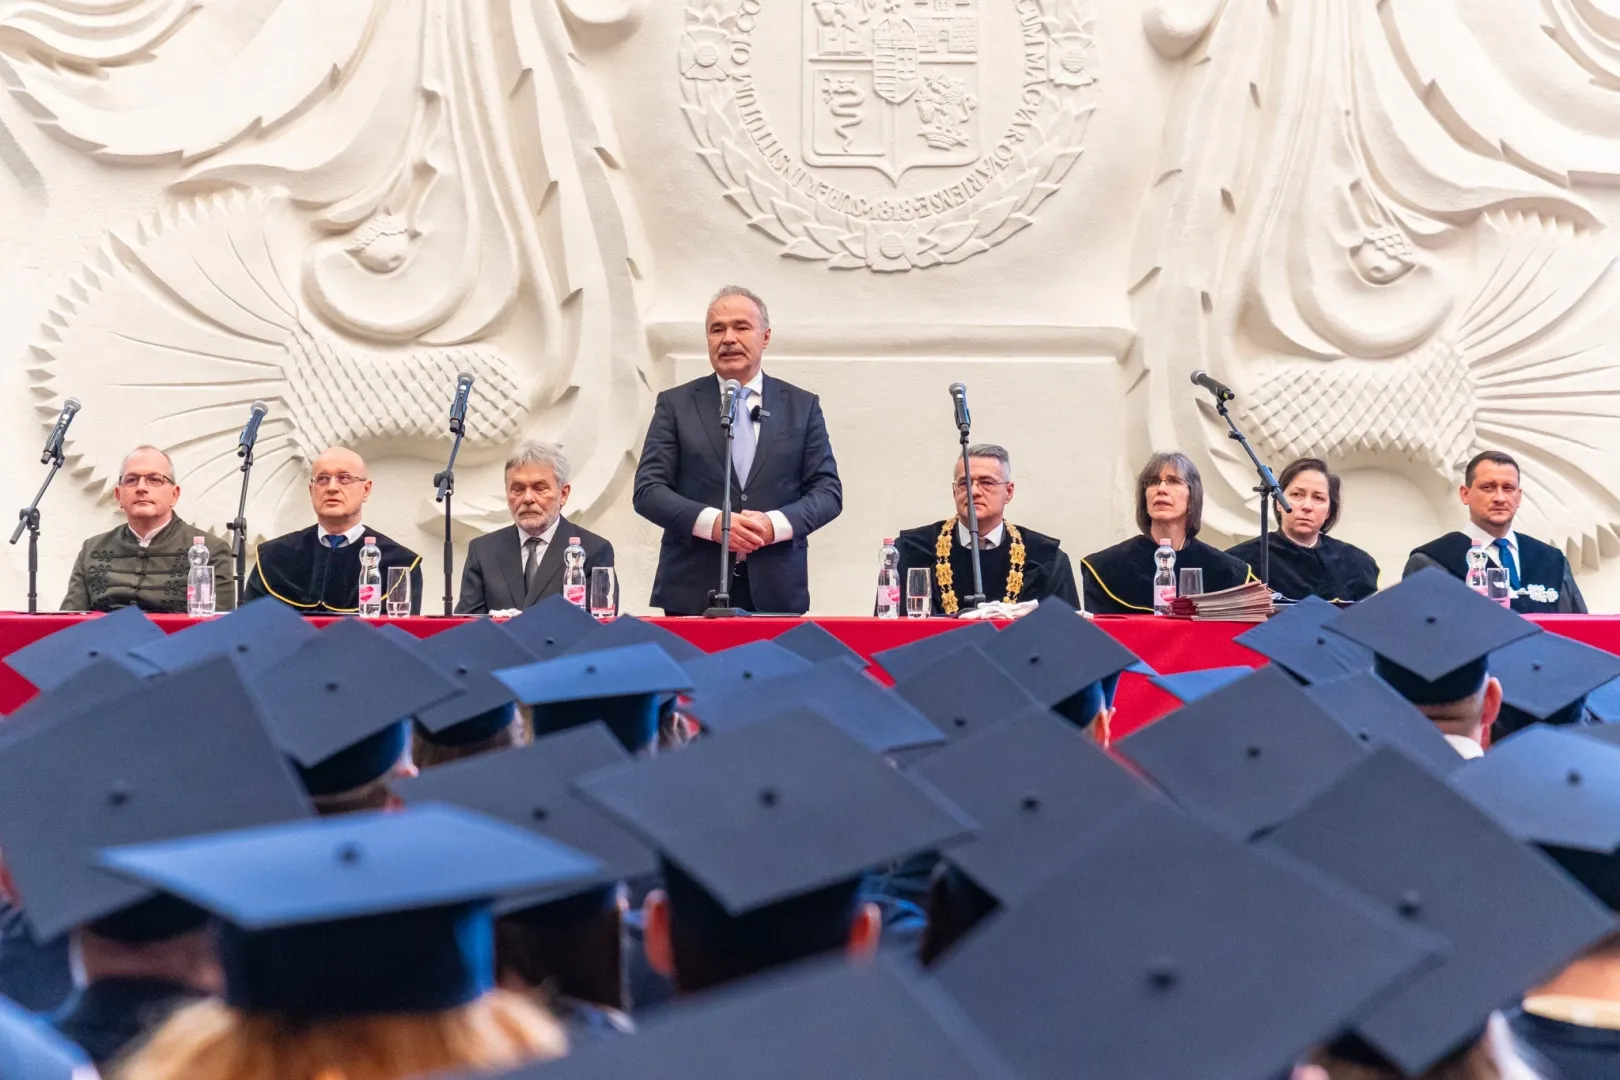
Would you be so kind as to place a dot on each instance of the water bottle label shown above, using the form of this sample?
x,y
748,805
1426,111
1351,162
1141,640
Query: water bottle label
x,y
1164,595
574,594
889,595
370,594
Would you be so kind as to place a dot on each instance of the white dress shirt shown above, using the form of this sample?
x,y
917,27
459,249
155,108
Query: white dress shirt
x,y
991,539
703,528
351,537
524,536
146,541
1494,553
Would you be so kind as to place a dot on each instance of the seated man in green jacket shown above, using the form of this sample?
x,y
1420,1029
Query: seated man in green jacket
x,y
144,561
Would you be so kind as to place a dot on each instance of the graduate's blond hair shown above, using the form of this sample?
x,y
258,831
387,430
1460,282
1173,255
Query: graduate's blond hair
x,y
213,1041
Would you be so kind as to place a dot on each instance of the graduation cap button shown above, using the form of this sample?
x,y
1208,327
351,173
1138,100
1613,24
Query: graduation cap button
x,y
768,797
118,794
1574,778
539,813
462,669
241,646
1029,803
331,687
590,669
1163,974
1252,752
1035,659
1431,619
348,854
1410,904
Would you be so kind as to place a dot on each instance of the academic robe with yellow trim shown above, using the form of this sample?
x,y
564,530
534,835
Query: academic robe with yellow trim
x,y
1047,570
1119,580
1333,569
305,574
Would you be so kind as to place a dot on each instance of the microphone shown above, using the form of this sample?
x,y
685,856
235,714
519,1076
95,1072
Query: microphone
x,y
730,390
1222,392
53,444
959,395
458,408
250,432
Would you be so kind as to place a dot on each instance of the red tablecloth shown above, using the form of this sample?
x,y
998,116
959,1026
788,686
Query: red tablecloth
x,y
1168,645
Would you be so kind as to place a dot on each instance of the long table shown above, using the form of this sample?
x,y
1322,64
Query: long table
x,y
1168,645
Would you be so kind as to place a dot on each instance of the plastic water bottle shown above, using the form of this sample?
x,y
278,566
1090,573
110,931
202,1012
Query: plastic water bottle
x,y
888,583
1477,561
1164,582
574,573
199,581
371,590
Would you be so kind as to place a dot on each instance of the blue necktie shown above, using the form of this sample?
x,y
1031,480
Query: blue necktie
x,y
334,542
1504,551
742,439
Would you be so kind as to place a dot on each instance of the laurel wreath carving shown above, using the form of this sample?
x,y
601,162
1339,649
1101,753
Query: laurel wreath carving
x,y
815,232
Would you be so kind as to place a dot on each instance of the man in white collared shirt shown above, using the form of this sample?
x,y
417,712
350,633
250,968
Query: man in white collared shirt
x,y
1538,573
1033,566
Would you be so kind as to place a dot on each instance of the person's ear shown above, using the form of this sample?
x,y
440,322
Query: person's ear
x,y
1010,487
765,340
1102,728
1462,493
176,499
1493,703
865,932
655,940
562,496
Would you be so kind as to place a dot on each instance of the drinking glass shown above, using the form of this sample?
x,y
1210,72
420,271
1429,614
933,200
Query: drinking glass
x,y
919,591
1497,587
397,600
1192,581
604,593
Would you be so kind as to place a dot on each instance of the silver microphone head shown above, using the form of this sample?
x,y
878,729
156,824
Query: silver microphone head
x,y
731,386
958,389
465,378
259,407
1198,377
71,405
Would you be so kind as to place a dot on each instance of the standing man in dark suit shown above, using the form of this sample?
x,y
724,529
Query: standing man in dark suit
x,y
522,564
785,482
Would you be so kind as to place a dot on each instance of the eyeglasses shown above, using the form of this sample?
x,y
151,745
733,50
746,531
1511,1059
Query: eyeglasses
x,y
134,480
341,479
982,483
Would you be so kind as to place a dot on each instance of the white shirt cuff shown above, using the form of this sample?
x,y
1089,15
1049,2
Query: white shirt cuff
x,y
703,528
779,521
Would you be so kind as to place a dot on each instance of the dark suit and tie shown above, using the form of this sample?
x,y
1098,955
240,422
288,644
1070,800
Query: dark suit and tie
x,y
508,570
784,467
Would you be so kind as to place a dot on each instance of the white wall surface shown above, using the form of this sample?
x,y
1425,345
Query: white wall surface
x,y
1388,226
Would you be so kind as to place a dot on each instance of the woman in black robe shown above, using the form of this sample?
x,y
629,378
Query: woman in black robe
x,y
1305,560
1169,506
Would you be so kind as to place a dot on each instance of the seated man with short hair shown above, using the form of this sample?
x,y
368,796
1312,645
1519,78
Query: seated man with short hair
x,y
1017,563
145,561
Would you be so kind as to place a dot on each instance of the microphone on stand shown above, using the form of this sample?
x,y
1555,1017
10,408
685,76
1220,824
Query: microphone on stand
x,y
720,600
959,395
458,408
730,390
58,435
250,432
1222,392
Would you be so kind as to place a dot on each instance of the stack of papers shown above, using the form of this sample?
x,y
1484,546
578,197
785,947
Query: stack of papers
x,y
1250,602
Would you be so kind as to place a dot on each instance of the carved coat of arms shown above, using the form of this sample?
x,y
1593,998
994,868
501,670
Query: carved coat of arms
x,y
891,85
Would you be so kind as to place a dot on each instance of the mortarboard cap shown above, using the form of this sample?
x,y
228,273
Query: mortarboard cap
x,y
531,787
1250,754
1559,791
822,1019
1609,733
1604,702
629,630
966,691
469,653
1058,655
1188,686
904,661
256,636
103,680
623,687
53,660
874,716
1194,957
30,1049
716,674
813,642
1545,678
1037,788
551,626
1432,635
1419,849
1371,710
774,810
361,914
338,705
184,754
1294,640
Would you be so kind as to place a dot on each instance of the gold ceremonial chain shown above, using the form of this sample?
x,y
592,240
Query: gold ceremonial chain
x,y
943,575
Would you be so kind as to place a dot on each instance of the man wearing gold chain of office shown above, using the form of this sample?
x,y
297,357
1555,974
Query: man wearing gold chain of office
x,y
1018,563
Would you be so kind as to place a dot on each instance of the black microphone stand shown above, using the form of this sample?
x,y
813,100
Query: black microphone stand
x,y
720,600
238,527
445,483
1268,490
975,598
29,519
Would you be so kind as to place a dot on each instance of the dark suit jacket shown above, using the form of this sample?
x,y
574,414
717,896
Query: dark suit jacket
x,y
492,579
682,471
